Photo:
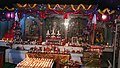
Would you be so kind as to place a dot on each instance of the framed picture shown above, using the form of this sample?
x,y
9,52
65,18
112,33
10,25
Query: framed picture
x,y
74,40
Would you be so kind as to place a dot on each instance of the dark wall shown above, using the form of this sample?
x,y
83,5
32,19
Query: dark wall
x,y
111,4
4,27
106,56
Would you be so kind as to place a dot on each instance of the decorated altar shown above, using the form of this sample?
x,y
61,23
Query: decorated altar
x,y
70,35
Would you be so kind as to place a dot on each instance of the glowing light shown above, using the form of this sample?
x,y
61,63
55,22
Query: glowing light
x,y
30,10
66,23
104,17
12,15
16,17
38,11
8,15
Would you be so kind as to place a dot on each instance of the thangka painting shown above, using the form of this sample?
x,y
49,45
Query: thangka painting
x,y
92,60
55,24
99,36
33,28
79,27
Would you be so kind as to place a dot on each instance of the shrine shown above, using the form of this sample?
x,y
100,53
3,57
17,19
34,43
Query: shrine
x,y
60,34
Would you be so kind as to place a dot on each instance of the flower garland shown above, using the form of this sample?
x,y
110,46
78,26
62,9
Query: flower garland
x,y
72,6
32,6
7,8
63,6
81,5
106,10
78,8
20,6
25,5
66,13
43,15
57,5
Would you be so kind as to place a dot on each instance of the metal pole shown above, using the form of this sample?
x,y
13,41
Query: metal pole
x,y
118,44
114,50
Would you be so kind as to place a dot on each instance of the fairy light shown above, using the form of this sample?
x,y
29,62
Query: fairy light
x,y
104,17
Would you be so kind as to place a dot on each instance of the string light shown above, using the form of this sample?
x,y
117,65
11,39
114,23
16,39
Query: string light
x,y
8,15
104,17
12,14
78,8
